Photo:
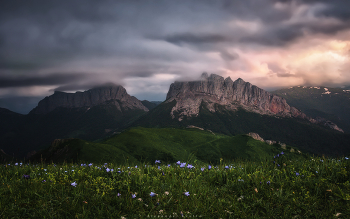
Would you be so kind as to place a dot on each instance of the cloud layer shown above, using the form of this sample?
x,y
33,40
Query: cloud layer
x,y
146,45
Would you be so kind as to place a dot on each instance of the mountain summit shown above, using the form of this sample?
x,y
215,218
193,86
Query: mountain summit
x,y
214,89
109,93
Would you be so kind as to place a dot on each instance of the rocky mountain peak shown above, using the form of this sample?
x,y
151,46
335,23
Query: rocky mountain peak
x,y
111,93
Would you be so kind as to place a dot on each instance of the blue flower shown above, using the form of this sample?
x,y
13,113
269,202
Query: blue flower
x,y
105,163
187,193
346,158
168,165
152,194
226,167
133,196
157,161
282,153
74,184
26,176
209,167
182,165
202,169
189,166
159,167
316,171
297,174
268,182
16,164
278,165
90,164
136,166
108,169
178,163
118,194
278,155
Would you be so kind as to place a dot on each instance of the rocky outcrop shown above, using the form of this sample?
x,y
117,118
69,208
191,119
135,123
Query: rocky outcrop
x,y
214,89
111,94
256,136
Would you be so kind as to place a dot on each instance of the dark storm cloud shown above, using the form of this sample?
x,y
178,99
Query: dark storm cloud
x,y
191,38
52,79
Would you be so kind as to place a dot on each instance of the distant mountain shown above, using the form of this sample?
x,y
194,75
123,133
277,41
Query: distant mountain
x,y
150,104
110,93
89,115
237,107
330,103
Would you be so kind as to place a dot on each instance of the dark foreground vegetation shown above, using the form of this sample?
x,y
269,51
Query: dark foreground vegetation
x,y
284,186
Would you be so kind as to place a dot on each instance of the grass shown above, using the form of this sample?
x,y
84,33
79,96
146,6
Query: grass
x,y
281,187
167,144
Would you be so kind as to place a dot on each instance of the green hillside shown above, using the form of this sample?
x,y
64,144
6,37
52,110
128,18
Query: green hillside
x,y
309,137
330,103
139,145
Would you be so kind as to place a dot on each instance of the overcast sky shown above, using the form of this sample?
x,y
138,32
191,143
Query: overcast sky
x,y
67,45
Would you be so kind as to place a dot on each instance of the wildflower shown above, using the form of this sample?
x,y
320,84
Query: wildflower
x,y
226,167
140,199
278,155
108,169
240,180
163,173
346,158
167,193
26,176
90,164
182,165
119,171
118,194
133,196
187,193
189,166
112,170
161,211
158,167
44,180
74,184
72,170
168,165
282,153
268,182
278,165
297,174
105,163
209,167
240,198
136,166
152,194
202,169
316,171
157,161
16,164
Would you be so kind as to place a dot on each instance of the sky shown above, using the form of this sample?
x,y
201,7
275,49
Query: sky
x,y
146,45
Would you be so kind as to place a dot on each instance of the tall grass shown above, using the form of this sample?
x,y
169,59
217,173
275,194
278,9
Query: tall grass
x,y
280,188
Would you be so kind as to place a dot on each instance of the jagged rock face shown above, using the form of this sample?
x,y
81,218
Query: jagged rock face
x,y
214,89
111,94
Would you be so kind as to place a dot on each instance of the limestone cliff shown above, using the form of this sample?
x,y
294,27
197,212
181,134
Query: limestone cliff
x,y
214,89
110,93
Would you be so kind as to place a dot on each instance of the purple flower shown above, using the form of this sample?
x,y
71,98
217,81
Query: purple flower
x,y
44,180
74,184
163,173
112,170
168,165
136,166
274,156
226,167
108,169
182,165
189,166
118,194
178,163
278,165
209,167
268,182
282,153
16,164
90,164
157,161
26,176
297,174
187,193
159,167
202,169
278,155
152,194
119,171
133,196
